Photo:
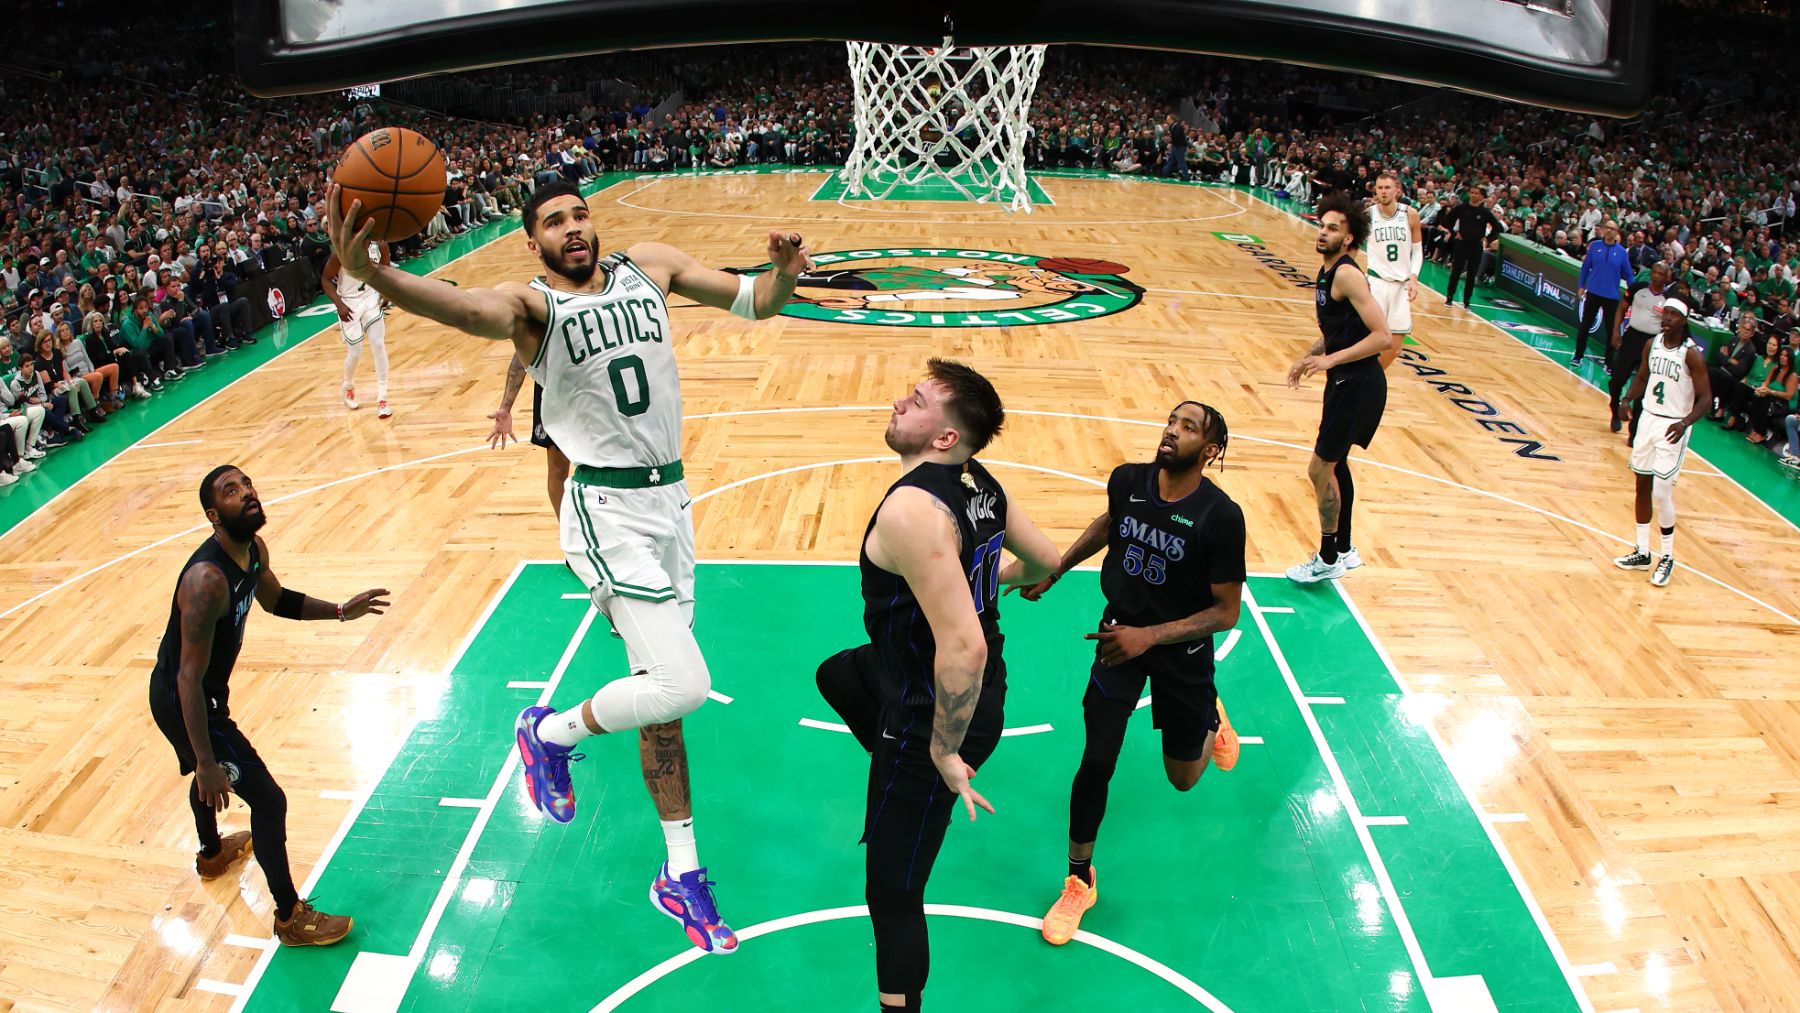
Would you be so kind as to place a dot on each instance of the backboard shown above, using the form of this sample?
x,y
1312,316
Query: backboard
x,y
1586,55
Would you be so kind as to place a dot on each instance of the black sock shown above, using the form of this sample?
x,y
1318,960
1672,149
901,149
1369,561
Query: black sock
x,y
284,912
1346,503
1328,551
1082,869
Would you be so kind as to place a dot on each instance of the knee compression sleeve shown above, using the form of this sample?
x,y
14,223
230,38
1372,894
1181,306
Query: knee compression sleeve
x,y
668,679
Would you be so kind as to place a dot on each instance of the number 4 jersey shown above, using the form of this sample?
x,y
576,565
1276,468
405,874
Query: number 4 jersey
x,y
1162,558
612,398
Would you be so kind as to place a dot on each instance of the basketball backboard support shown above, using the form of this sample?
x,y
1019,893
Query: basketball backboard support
x,y
1584,55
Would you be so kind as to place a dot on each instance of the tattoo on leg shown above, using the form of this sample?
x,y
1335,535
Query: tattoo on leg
x,y
663,753
1329,504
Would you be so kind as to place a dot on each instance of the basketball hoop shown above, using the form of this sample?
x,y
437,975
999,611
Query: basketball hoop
x,y
942,114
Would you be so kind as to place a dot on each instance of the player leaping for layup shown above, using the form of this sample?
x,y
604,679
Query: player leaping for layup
x,y
594,331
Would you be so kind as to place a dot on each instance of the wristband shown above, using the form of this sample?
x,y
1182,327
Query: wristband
x,y
340,612
745,304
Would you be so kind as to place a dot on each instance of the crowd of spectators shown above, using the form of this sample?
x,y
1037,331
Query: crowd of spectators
x,y
139,186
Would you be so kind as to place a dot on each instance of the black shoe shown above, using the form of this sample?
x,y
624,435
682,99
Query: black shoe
x,y
248,341
232,346
1616,424
93,417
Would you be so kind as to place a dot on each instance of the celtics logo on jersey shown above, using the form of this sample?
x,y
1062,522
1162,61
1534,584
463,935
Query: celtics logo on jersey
x,y
945,287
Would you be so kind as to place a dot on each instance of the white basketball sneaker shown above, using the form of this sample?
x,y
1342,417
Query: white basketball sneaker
x,y
350,398
1665,569
382,410
1349,558
1316,569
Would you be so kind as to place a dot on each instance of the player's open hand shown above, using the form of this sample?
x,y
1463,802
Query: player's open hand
x,y
503,429
1119,644
1306,367
1676,430
367,603
956,775
213,786
789,253
350,243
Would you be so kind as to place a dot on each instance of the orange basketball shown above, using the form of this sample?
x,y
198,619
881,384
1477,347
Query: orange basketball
x,y
398,174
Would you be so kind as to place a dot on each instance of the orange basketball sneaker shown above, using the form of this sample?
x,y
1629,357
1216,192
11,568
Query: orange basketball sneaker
x,y
1065,915
1225,744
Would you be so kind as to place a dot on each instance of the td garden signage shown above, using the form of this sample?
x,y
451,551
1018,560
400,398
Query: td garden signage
x,y
946,287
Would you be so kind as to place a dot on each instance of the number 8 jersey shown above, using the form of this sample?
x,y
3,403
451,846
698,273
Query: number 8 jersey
x,y
612,397
1162,558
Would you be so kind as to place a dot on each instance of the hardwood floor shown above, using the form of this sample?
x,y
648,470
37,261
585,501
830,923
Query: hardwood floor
x,y
1650,737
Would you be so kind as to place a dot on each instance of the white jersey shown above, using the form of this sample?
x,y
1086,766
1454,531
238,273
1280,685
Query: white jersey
x,y
1670,390
612,398
1389,251
353,291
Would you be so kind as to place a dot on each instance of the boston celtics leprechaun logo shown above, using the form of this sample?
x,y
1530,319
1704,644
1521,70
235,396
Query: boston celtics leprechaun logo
x,y
946,287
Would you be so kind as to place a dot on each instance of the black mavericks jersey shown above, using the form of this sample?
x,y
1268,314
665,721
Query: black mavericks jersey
x,y
1340,325
1163,558
228,634
896,624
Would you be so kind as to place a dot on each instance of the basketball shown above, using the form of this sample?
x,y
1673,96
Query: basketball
x,y
398,174
1081,265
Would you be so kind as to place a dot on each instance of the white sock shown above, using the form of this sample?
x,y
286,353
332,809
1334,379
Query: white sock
x,y
378,338
684,854
565,728
1668,542
1643,538
352,355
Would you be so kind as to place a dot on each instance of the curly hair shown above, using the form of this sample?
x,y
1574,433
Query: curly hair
x,y
1356,216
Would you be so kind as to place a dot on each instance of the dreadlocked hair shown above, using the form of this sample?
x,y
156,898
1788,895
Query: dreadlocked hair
x,y
1213,430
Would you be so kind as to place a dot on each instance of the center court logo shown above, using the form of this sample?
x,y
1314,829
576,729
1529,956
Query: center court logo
x,y
946,287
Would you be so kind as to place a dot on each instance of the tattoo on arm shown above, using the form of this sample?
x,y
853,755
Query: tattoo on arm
x,y
944,508
203,600
515,378
955,709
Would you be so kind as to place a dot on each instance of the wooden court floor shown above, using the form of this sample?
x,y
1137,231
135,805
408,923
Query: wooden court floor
x,y
1643,744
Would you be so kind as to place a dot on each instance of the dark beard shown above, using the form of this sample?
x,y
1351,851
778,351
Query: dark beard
x,y
1181,464
577,275
244,526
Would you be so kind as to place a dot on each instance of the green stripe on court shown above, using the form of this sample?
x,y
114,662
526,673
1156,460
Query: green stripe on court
x,y
1255,887
835,188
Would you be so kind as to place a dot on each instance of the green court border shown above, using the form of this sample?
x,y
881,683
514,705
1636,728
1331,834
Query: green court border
x,y
833,189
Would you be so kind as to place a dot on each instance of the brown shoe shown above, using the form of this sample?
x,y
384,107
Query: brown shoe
x,y
309,927
232,848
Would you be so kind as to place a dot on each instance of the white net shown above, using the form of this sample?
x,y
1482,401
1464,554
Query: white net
x,y
927,117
